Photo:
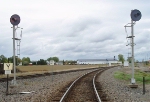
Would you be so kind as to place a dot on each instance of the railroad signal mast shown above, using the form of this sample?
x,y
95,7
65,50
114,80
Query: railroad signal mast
x,y
135,16
14,20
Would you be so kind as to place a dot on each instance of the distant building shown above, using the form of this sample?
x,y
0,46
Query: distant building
x,y
59,63
30,64
97,61
126,63
119,63
52,62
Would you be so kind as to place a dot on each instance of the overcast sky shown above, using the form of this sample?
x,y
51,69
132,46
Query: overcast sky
x,y
75,29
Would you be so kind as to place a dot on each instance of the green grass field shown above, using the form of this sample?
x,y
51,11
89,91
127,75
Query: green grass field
x,y
138,76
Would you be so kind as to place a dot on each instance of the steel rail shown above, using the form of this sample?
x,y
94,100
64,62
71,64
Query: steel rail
x,y
95,90
65,94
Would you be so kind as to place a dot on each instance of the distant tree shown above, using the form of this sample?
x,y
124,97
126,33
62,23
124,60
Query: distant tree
x,y
137,61
10,59
19,60
41,62
129,59
51,58
34,63
120,58
146,62
56,59
63,62
3,59
25,63
28,59
25,60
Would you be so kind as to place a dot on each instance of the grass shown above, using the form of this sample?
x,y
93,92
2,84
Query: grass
x,y
52,67
122,75
138,76
29,70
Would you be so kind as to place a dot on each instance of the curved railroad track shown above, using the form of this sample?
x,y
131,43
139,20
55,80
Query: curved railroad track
x,y
86,88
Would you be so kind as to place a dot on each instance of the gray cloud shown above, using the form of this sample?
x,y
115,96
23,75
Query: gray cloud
x,y
75,29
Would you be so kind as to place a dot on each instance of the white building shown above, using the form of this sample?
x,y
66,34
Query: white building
x,y
52,62
126,63
97,61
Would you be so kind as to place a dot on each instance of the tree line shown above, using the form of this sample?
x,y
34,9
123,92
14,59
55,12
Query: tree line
x,y
129,59
26,60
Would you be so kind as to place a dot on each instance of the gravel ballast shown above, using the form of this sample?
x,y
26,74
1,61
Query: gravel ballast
x,y
42,88
119,91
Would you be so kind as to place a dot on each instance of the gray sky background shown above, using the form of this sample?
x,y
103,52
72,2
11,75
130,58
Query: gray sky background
x,y
75,29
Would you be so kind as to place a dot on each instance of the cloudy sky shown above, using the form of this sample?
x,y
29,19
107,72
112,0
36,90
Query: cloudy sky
x,y
75,29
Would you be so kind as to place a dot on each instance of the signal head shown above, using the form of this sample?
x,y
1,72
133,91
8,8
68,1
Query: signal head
x,y
136,15
15,19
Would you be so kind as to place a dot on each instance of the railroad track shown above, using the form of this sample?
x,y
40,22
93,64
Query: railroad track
x,y
86,88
